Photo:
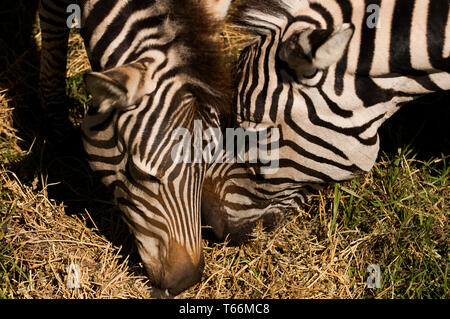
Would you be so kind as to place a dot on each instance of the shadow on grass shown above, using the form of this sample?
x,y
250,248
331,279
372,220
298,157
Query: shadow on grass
x,y
62,169
421,126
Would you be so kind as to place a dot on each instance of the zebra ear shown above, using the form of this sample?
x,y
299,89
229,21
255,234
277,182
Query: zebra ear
x,y
122,86
217,8
312,49
333,48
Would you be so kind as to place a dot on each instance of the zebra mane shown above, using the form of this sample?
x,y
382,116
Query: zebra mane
x,y
257,15
198,32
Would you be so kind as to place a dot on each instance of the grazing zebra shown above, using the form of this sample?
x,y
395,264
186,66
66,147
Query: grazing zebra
x,y
158,65
327,74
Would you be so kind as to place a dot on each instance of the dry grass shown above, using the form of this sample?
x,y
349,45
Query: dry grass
x,y
290,262
322,251
46,241
8,136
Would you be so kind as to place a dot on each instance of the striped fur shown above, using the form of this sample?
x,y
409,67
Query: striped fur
x,y
158,66
328,78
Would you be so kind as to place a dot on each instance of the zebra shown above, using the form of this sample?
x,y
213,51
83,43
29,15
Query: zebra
x,y
156,65
327,74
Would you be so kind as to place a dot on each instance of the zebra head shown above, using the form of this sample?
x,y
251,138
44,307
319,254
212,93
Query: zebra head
x,y
327,74
158,68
